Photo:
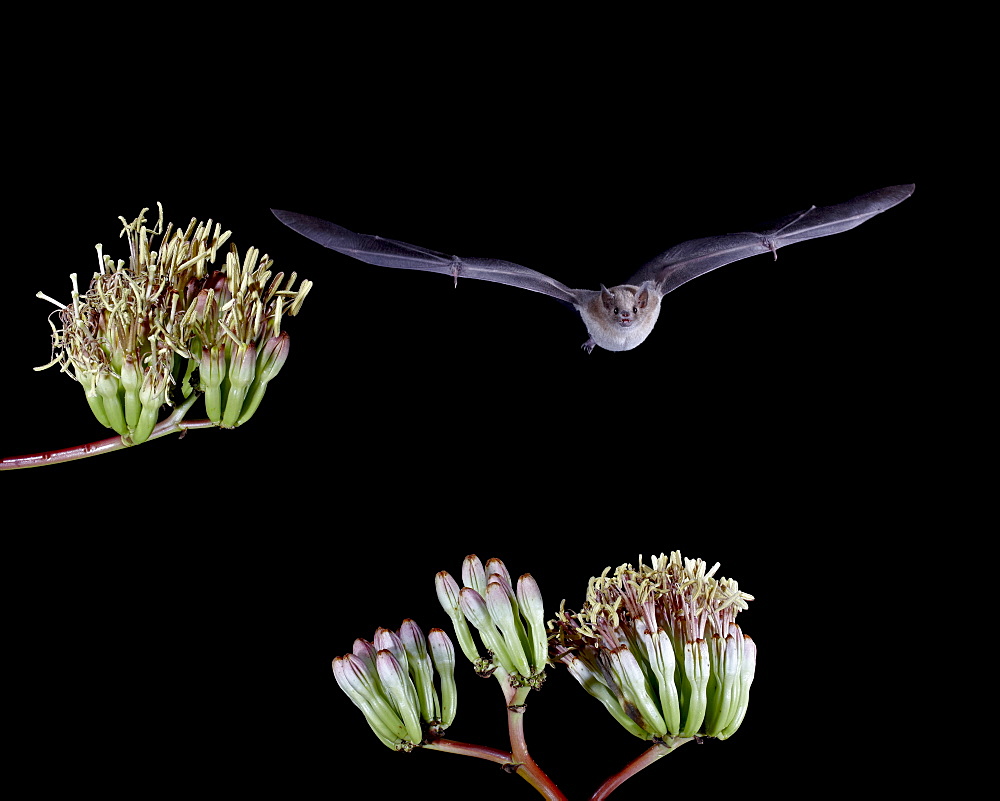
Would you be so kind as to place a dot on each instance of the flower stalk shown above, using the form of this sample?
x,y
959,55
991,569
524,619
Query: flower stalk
x,y
174,424
511,625
656,751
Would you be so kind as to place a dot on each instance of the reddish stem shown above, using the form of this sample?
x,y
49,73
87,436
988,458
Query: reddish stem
x,y
517,760
173,424
469,749
644,760
528,769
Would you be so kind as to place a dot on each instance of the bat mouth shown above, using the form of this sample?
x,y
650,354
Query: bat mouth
x,y
625,323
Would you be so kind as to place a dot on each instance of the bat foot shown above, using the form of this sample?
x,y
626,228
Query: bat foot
x,y
589,345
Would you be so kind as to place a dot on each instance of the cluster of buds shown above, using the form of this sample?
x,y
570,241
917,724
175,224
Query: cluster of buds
x,y
658,646
167,320
511,624
391,680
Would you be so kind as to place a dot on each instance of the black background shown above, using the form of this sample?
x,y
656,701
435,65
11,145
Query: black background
x,y
178,604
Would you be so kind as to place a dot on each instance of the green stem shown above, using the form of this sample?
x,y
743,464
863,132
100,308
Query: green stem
x,y
644,760
173,424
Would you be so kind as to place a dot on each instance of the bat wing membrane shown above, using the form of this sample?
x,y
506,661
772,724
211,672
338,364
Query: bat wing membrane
x,y
688,260
391,253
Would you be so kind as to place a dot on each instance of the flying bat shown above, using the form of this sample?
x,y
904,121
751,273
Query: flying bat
x,y
621,317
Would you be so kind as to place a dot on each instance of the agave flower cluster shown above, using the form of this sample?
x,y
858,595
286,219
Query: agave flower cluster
x,y
511,623
167,320
391,680
658,646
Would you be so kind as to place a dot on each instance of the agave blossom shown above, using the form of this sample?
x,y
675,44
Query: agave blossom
x,y
182,318
659,647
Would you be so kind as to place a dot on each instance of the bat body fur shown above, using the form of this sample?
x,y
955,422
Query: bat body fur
x,y
622,317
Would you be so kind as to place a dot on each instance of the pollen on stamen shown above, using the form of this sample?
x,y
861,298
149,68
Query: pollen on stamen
x,y
43,296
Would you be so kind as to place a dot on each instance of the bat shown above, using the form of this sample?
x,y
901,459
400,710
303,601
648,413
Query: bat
x,y
622,317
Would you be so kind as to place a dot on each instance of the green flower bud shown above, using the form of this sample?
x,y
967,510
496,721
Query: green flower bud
x,y
636,690
595,683
94,399
529,597
131,380
504,615
473,574
400,689
109,389
443,656
360,682
421,669
272,357
213,372
511,625
478,614
391,680
152,395
242,371
448,593
270,360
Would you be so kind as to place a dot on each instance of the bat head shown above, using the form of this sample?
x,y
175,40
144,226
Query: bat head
x,y
625,305
621,317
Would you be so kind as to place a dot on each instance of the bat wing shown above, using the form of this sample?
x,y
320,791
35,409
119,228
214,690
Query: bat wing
x,y
690,259
390,253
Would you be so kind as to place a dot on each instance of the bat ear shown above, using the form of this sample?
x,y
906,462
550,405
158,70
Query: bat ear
x,y
607,297
642,296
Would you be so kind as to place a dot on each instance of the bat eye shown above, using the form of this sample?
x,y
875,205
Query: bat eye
x,y
635,310
616,310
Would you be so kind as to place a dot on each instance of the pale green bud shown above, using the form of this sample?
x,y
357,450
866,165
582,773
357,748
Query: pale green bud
x,y
109,389
270,360
448,596
400,689
131,380
360,682
498,602
511,624
473,574
593,681
421,669
152,395
242,371
477,612
212,374
529,598
392,681
443,656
